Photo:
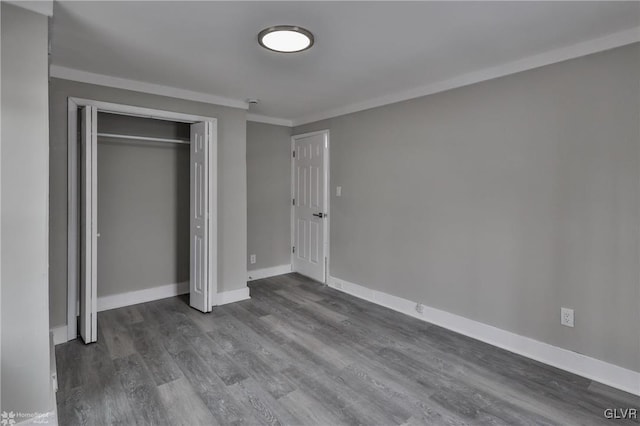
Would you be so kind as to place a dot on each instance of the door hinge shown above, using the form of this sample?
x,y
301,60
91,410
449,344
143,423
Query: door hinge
x,y
293,249
294,201
294,154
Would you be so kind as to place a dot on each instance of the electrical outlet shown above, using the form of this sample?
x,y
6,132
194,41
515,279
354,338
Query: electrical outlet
x,y
419,308
338,191
566,317
252,259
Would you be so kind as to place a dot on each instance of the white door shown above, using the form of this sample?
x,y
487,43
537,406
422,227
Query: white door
x,y
88,227
200,282
310,156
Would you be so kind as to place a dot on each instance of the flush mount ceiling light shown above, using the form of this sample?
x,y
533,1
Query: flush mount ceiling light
x,y
285,38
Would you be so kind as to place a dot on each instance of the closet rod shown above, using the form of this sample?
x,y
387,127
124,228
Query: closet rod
x,y
143,138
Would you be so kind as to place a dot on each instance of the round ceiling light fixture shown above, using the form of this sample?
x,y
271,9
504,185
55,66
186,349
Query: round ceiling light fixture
x,y
285,38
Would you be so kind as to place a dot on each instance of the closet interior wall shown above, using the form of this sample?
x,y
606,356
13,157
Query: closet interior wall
x,y
143,204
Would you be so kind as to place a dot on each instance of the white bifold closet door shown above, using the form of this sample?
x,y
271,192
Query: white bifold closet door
x,y
89,225
203,232
200,296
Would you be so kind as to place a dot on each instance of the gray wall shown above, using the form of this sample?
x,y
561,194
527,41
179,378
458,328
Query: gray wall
x,y
268,194
143,206
232,193
24,166
502,201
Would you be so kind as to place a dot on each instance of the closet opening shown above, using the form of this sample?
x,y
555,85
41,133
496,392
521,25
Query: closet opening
x,y
143,206
142,210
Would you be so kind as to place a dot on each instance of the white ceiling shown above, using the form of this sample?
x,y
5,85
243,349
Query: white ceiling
x,y
363,50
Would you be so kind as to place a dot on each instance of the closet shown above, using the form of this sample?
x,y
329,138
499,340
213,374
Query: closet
x,y
143,204
145,199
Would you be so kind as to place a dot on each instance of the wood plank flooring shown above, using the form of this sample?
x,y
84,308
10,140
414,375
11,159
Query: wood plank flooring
x,y
300,353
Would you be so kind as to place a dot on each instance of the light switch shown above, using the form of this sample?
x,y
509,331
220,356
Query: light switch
x,y
338,191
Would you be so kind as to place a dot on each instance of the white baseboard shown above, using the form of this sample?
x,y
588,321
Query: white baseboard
x,y
258,274
573,362
149,295
48,417
162,292
53,369
141,296
232,296
52,416
59,334
126,299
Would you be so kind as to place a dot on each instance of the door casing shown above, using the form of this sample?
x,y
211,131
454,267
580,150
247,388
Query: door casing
x,y
327,198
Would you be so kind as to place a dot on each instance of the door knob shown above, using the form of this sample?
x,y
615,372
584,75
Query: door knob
x,y
320,215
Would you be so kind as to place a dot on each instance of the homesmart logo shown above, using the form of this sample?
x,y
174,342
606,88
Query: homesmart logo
x,y
7,418
13,417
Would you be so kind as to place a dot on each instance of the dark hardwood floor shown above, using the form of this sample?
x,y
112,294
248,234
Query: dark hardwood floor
x,y
301,353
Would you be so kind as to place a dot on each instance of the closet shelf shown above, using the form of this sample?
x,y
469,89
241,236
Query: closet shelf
x,y
143,138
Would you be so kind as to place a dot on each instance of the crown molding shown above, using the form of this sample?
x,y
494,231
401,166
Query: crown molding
x,y
65,73
589,47
257,118
44,7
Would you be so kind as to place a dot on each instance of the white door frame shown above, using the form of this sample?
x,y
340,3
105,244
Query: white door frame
x,y
72,194
327,198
